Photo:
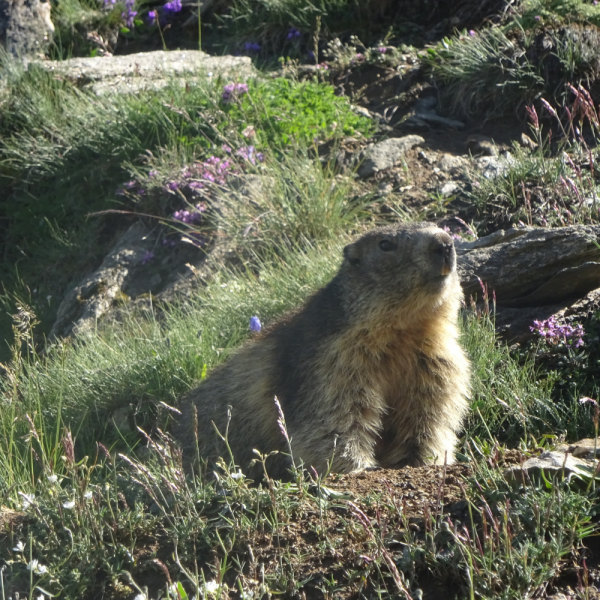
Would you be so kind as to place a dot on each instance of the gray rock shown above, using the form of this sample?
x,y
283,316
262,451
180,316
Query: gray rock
x,y
480,145
149,70
433,118
588,448
527,142
386,154
551,464
498,237
493,166
132,278
449,163
25,27
89,301
533,267
449,188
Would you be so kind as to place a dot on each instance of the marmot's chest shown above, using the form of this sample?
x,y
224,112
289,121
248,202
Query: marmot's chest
x,y
391,359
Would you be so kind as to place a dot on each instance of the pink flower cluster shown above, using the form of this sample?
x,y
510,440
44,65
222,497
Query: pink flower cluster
x,y
234,90
212,170
555,334
190,217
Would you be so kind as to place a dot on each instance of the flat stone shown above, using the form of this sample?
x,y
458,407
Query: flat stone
x,y
149,70
386,154
586,448
551,464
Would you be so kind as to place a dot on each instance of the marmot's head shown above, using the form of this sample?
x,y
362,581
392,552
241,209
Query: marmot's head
x,y
406,268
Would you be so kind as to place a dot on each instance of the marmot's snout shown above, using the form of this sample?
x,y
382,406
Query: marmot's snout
x,y
444,255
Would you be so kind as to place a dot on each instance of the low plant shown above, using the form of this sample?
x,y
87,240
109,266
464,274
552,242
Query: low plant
x,y
511,399
110,147
498,70
511,541
554,184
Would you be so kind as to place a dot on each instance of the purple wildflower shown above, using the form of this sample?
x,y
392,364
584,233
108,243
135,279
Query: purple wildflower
x,y
129,16
255,324
190,216
233,90
172,7
252,47
172,186
537,17
382,49
292,33
453,235
226,148
108,3
152,18
554,334
147,257
153,172
249,153
472,33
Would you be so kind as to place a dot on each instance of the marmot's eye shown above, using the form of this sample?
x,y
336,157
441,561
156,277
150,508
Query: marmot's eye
x,y
387,246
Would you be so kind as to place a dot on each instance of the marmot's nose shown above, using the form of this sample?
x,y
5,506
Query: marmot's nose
x,y
444,249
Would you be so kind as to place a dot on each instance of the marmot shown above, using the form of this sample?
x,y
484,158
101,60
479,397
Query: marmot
x,y
368,373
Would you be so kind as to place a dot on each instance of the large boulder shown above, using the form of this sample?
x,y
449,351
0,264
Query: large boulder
x,y
25,27
149,70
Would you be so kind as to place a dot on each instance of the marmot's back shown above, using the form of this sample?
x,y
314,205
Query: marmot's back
x,y
368,372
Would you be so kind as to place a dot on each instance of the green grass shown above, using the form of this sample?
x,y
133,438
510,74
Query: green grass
x,y
498,70
514,539
99,495
558,12
73,19
269,22
64,153
104,508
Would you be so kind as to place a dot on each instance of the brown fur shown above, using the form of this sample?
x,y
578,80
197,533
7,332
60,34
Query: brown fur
x,y
369,371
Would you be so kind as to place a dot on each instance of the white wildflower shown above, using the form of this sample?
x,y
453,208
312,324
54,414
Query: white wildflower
x,y
69,504
88,495
53,478
28,500
211,587
37,567
19,547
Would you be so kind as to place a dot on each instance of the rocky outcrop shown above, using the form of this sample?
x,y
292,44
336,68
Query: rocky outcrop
x,y
530,266
386,154
533,273
149,70
25,27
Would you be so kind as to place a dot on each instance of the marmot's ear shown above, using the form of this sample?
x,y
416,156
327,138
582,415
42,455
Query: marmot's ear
x,y
352,255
